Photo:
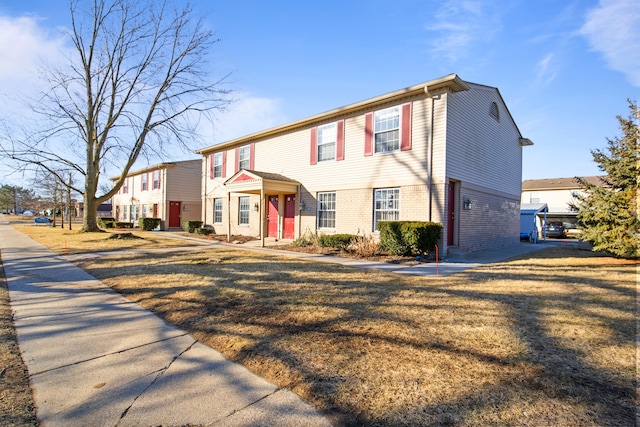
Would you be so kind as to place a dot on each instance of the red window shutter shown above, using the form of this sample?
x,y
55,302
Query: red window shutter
x,y
314,146
252,156
159,179
237,159
211,157
405,142
340,142
368,134
224,164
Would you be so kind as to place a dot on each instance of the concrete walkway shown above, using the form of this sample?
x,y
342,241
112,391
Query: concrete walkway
x,y
97,359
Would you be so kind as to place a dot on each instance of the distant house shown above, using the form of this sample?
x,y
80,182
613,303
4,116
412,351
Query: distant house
x,y
446,151
556,193
169,191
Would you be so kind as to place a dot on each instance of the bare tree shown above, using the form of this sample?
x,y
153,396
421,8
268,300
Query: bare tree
x,y
135,81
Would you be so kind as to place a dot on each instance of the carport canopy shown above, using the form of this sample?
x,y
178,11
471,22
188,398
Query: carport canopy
x,y
528,214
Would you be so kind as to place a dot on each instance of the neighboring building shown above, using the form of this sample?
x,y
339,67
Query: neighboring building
x,y
556,193
169,191
446,151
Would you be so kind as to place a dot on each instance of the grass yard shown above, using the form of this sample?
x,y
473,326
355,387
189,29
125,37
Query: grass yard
x,y
70,242
545,340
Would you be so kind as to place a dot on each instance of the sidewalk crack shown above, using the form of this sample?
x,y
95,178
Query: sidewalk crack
x,y
160,373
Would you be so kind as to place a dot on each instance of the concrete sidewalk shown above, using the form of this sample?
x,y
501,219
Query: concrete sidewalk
x,y
97,359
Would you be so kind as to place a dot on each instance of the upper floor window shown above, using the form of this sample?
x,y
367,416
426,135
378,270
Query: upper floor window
x,y
125,186
386,205
156,179
145,181
244,157
217,165
327,210
327,138
386,129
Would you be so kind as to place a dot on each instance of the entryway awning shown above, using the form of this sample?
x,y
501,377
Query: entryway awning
x,y
263,183
256,182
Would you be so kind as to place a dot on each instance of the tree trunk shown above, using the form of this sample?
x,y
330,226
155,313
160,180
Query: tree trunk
x,y
89,216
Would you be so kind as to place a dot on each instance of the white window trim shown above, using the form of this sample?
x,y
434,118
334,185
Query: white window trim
x,y
332,138
375,210
217,165
247,150
398,113
247,210
215,211
335,203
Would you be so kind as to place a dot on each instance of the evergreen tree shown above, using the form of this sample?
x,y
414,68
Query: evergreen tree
x,y
608,212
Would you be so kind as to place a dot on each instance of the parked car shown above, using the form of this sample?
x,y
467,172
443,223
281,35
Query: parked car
x,y
554,229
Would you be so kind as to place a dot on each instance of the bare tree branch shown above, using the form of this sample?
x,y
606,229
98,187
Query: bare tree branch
x,y
136,80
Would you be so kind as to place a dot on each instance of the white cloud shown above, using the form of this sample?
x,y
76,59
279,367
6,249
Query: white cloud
x,y
24,48
612,29
461,24
546,70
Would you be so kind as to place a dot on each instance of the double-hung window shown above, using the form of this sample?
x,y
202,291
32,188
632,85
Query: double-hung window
x,y
243,217
156,179
386,205
217,211
217,165
125,186
327,210
387,130
327,138
244,157
145,181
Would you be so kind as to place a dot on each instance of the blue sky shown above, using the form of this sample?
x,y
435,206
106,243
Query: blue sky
x,y
564,68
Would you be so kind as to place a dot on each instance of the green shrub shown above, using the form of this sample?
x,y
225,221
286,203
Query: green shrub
x,y
409,237
205,231
307,239
391,238
338,241
123,224
107,222
149,224
190,226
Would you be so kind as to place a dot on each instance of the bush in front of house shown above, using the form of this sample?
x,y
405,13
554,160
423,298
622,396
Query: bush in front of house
x,y
409,237
190,226
337,241
205,231
107,222
149,224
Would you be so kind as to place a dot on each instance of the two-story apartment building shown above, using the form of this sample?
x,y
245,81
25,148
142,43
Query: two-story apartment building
x,y
169,191
557,193
446,151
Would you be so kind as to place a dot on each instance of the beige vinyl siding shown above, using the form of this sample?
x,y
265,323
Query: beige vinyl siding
x,y
481,150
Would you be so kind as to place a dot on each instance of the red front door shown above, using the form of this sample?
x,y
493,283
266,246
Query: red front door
x,y
289,216
272,217
174,214
451,212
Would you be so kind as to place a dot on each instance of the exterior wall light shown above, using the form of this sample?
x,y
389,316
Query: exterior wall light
x,y
466,203
256,207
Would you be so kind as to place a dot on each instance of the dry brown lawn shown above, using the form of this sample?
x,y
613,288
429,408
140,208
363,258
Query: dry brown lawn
x,y
16,400
545,340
